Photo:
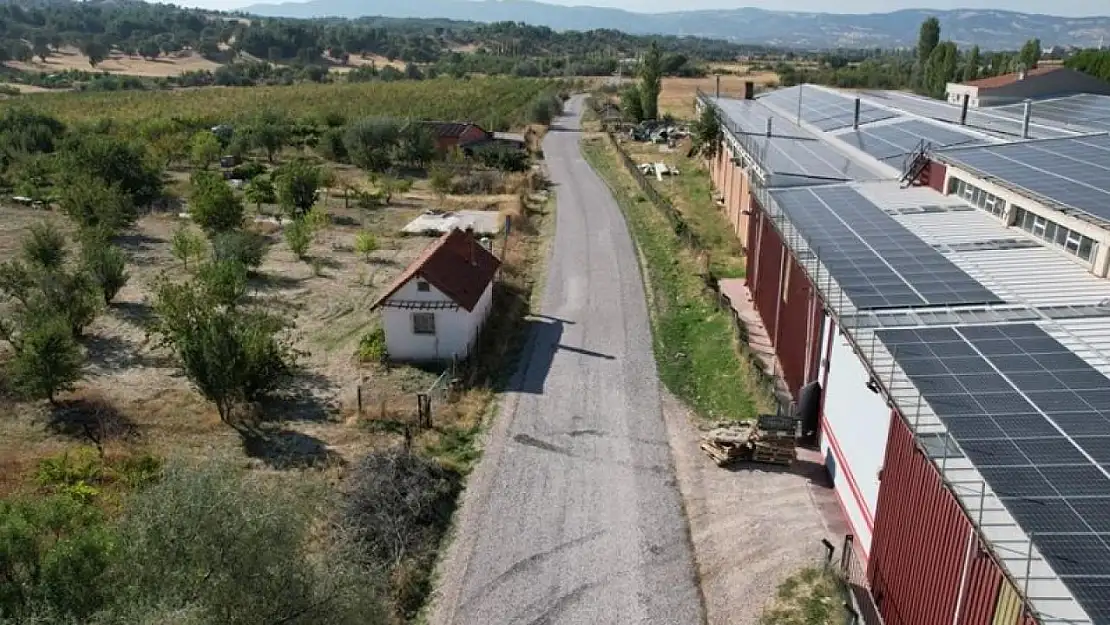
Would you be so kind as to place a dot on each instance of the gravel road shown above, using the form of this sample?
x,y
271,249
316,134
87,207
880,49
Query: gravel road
x,y
574,514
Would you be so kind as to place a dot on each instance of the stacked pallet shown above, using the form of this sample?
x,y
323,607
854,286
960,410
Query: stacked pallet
x,y
744,440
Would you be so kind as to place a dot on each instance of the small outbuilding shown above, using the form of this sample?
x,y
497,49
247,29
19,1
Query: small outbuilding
x,y
436,308
1039,82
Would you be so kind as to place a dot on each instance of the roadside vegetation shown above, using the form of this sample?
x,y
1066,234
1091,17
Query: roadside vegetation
x,y
812,596
697,358
187,355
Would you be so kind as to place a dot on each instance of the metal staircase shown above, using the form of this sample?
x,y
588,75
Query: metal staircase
x,y
915,163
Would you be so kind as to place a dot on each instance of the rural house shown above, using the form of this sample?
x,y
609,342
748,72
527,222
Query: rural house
x,y
435,309
1039,82
450,135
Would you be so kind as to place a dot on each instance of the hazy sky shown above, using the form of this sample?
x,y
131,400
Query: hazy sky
x,y
1056,7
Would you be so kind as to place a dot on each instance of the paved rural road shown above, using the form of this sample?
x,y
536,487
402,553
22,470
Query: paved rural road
x,y
574,514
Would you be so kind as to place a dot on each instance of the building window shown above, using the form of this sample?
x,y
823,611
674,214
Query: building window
x,y
1056,235
422,286
977,197
423,323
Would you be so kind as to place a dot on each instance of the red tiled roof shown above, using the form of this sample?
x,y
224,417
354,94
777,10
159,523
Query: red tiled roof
x,y
1007,79
456,264
449,129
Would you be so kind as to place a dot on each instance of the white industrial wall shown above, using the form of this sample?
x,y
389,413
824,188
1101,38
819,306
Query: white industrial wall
x,y
854,427
456,329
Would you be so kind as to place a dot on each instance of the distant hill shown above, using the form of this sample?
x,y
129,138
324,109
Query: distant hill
x,y
990,29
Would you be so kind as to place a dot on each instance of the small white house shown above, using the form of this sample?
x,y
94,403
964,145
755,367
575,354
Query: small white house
x,y
435,309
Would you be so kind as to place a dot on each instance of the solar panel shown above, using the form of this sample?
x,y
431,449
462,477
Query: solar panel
x,y
874,259
891,142
825,110
1084,109
1074,172
995,120
1039,442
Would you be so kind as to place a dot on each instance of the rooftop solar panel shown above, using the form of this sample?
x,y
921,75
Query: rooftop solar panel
x,y
1083,109
996,120
898,139
873,258
825,110
1030,440
1073,172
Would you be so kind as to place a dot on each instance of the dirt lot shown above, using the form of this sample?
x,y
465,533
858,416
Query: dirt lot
x,y
377,60
117,63
315,421
677,97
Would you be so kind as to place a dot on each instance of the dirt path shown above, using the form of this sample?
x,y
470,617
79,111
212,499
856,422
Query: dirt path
x,y
751,527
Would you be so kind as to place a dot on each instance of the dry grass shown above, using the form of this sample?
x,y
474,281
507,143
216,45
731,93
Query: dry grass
x,y
370,59
27,88
315,423
71,58
677,97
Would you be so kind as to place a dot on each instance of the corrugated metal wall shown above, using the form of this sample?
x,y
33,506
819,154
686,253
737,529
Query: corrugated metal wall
x,y
924,552
765,286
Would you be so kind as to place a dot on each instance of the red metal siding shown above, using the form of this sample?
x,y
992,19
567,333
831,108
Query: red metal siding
x,y
768,277
795,339
751,251
919,550
936,174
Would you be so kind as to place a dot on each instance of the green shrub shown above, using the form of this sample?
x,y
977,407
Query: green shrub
x,y
371,347
244,247
248,171
106,265
298,235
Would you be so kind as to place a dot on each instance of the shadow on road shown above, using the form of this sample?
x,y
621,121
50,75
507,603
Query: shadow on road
x,y
546,333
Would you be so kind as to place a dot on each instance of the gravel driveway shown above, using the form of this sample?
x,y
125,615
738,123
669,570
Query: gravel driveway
x,y
574,514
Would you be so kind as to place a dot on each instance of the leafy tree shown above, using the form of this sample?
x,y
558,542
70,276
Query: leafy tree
x,y
366,244
260,190
391,186
204,149
96,205
297,182
331,145
208,544
974,61
56,551
298,235
941,68
632,104
707,133
371,142
927,39
231,355
224,281
113,161
74,295
45,246
47,359
106,264
96,51
186,245
269,132
245,248
440,179
40,46
651,81
416,146
213,204
149,49
1030,54
21,52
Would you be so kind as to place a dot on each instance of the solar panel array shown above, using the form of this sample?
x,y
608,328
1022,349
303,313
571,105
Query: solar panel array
x,y
892,142
1074,172
1034,418
1087,109
875,260
825,110
998,120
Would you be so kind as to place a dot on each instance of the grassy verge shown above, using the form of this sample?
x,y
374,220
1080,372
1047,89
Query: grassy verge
x,y
696,358
811,596
691,193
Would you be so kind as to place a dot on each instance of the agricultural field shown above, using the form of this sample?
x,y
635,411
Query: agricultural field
x,y
69,57
323,454
677,96
494,101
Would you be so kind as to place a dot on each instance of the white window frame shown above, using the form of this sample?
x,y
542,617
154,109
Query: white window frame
x,y
428,327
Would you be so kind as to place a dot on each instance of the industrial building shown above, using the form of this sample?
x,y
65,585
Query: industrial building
x,y
940,274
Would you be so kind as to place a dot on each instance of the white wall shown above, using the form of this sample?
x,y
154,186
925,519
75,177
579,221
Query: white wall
x,y
456,329
855,424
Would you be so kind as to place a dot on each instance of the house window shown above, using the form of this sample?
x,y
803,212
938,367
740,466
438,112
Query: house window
x,y
422,286
977,197
423,323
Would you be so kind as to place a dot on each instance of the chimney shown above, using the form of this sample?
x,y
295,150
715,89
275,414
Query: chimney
x,y
1025,119
768,126
963,109
749,90
718,85
855,121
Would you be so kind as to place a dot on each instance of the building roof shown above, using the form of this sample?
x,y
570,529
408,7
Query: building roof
x,y
456,264
990,380
1003,80
446,130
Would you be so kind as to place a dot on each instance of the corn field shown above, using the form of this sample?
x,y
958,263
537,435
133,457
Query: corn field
x,y
495,102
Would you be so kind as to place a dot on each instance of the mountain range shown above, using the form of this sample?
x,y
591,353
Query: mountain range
x,y
990,29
